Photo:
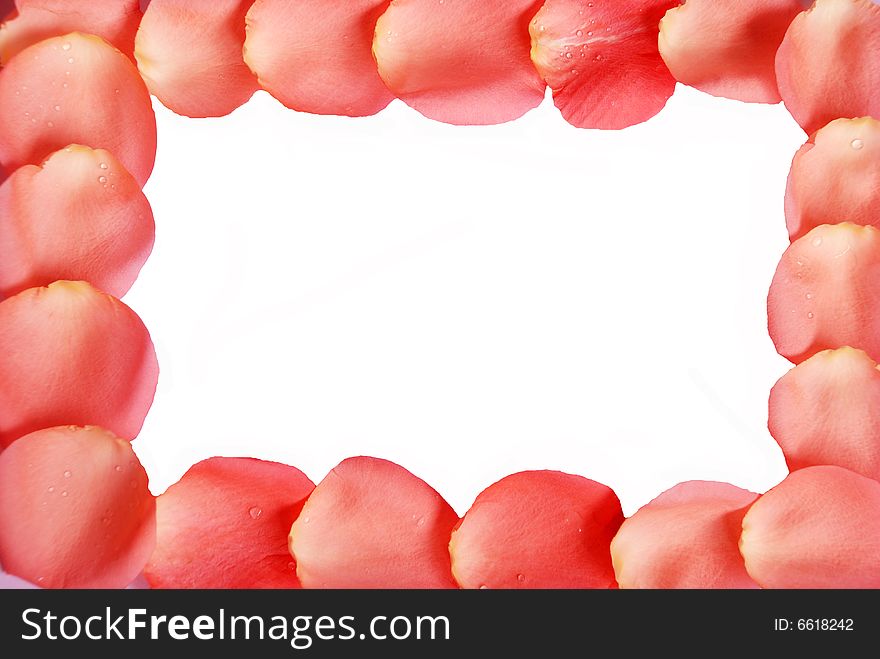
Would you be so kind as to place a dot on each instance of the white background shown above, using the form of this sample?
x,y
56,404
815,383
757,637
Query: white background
x,y
469,302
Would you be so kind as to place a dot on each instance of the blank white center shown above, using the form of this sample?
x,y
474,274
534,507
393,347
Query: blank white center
x,y
469,302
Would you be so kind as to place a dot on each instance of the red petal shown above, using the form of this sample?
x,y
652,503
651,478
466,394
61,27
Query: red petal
x,y
601,60
460,62
372,524
829,63
75,510
728,48
835,177
331,70
819,528
190,55
116,21
225,525
826,292
826,411
75,89
538,529
685,538
73,355
79,216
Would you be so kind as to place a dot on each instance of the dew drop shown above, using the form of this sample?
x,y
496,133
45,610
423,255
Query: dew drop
x,y
67,473
102,179
255,512
809,296
520,577
70,60
118,467
50,124
57,108
817,242
64,493
51,489
590,33
484,587
579,33
65,46
291,565
857,144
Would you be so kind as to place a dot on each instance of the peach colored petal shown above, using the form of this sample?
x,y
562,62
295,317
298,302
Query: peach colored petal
x,y
728,47
79,216
460,61
538,529
73,355
75,89
819,528
189,52
116,21
835,177
75,510
601,60
828,65
826,292
826,411
372,524
685,538
225,525
331,69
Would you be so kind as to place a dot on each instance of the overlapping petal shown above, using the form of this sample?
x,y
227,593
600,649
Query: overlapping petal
x,y
316,55
75,509
225,525
75,89
73,355
460,61
190,55
538,529
601,60
79,216
372,524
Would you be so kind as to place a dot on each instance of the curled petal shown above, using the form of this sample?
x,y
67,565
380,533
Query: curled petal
x,y
372,524
115,21
73,355
819,528
685,538
331,70
538,529
835,177
460,62
826,292
828,65
225,525
80,215
601,60
75,509
826,411
75,89
190,55
728,48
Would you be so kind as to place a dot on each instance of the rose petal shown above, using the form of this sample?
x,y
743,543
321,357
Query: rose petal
x,y
835,177
73,355
828,65
826,292
225,525
601,60
75,510
685,538
460,61
189,52
79,216
819,528
372,524
75,89
728,48
538,529
116,21
826,411
331,70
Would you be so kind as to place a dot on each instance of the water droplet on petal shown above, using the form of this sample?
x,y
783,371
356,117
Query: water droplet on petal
x,y
520,577
67,473
857,144
102,179
255,512
817,242
66,46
